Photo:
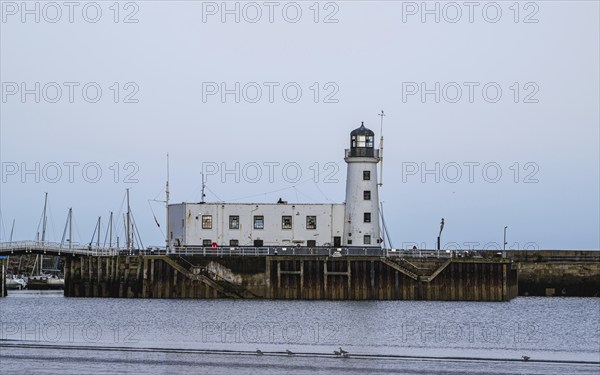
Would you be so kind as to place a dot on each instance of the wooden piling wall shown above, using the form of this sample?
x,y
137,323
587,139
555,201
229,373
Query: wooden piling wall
x,y
285,277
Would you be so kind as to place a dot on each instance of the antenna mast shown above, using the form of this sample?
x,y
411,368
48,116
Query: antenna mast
x,y
167,239
203,195
382,114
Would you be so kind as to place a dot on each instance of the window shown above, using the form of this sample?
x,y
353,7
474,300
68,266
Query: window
x,y
311,222
259,222
311,243
367,240
234,222
234,243
366,175
258,243
206,221
286,222
367,217
349,242
367,195
206,243
361,140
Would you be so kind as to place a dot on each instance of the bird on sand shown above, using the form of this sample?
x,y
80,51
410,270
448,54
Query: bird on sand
x,y
259,352
525,358
289,352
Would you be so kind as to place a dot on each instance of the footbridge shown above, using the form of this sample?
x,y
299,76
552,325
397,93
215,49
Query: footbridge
x,y
52,248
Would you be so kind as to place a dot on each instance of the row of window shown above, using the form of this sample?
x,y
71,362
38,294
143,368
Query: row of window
x,y
259,243
256,243
362,141
366,240
259,222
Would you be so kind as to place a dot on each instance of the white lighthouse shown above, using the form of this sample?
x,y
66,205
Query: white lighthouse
x,y
361,217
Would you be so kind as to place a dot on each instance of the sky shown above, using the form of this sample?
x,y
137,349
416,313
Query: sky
x,y
491,113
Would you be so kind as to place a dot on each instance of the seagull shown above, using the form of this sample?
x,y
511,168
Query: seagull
x,y
259,352
337,354
525,358
342,353
289,352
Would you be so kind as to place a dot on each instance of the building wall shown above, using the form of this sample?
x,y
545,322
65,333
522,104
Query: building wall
x,y
186,222
176,215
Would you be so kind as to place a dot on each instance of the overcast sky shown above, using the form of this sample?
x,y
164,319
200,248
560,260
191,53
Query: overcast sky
x,y
492,114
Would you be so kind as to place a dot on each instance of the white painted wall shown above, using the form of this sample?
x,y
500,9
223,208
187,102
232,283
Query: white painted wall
x,y
186,223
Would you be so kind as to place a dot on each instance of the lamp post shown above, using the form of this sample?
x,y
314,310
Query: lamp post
x,y
439,237
504,248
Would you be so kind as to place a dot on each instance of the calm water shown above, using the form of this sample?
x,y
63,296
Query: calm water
x,y
43,332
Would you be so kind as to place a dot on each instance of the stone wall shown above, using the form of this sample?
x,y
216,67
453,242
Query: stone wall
x,y
559,279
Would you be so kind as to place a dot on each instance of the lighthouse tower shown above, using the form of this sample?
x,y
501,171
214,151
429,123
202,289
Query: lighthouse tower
x,y
361,217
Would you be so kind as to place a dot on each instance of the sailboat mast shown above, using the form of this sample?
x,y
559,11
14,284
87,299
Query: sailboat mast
x,y
128,223
98,238
12,229
110,230
44,219
70,228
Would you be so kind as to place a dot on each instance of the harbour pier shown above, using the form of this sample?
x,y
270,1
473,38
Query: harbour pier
x,y
319,273
290,277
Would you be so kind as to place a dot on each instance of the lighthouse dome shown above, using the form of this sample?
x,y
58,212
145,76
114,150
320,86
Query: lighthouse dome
x,y
362,131
361,142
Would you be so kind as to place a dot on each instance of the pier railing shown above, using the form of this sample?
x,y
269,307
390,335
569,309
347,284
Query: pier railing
x,y
307,251
57,248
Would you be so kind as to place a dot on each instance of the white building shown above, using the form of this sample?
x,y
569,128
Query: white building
x,y
354,223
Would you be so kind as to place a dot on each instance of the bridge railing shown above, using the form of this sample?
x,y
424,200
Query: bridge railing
x,y
55,247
